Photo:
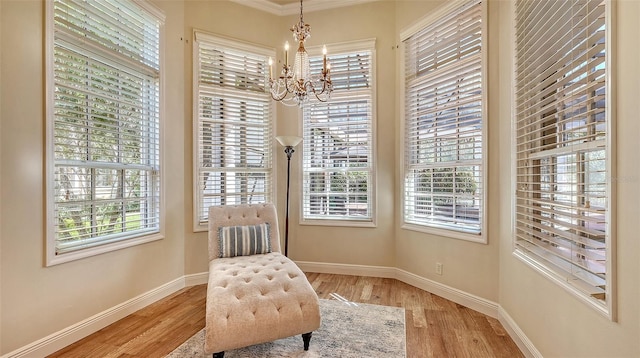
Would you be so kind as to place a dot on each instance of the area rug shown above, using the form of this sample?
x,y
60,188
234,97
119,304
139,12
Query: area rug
x,y
348,330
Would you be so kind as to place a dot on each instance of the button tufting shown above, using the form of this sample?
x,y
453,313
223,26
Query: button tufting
x,y
292,275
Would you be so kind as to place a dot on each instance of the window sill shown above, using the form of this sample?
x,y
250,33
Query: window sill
x,y
452,234
53,259
343,223
562,282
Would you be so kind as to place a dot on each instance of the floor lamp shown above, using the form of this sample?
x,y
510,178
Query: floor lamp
x,y
288,142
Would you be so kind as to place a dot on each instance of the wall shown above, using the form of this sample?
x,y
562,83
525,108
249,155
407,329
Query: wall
x,y
365,246
557,323
1,52
467,266
221,18
350,245
37,300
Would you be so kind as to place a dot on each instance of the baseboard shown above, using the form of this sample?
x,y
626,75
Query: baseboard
x,y
463,298
466,299
74,333
518,336
196,279
71,334
345,269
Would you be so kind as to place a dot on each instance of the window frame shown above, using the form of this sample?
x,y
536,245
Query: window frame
x,y
368,45
608,309
239,45
442,12
51,258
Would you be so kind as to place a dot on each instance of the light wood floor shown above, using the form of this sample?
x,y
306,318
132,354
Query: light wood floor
x,y
436,327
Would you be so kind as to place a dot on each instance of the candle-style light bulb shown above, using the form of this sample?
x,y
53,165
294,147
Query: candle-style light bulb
x,y
286,53
270,68
324,58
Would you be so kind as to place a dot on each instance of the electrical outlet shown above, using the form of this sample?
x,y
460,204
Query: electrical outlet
x,y
439,268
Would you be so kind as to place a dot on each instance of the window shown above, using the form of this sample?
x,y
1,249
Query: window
x,y
562,145
232,119
103,126
444,123
338,141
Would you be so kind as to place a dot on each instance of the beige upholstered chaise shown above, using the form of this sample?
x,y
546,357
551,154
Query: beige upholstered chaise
x,y
259,297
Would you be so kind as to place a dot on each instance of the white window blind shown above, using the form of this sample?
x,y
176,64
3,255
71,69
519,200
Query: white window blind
x,y
338,142
562,143
233,120
444,120
104,123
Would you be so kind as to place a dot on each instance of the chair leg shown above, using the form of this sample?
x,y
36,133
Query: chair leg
x,y
306,338
218,355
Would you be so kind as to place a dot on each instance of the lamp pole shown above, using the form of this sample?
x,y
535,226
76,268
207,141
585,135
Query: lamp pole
x,y
288,142
288,150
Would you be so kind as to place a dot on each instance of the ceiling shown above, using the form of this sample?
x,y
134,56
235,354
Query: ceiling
x,y
291,7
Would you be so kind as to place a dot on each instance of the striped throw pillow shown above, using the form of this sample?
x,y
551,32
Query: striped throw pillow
x,y
244,240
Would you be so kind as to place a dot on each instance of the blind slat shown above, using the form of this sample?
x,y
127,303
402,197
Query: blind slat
x,y
234,126
337,139
443,123
561,147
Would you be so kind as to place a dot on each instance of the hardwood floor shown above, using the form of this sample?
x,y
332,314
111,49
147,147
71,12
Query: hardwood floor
x,y
436,327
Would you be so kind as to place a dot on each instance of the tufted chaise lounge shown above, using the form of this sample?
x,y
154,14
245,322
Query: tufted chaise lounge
x,y
257,298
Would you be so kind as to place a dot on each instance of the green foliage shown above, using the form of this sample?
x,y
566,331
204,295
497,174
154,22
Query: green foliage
x,y
445,182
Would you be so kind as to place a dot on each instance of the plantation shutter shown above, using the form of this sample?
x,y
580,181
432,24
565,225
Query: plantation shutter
x,y
444,122
562,151
233,117
106,111
338,142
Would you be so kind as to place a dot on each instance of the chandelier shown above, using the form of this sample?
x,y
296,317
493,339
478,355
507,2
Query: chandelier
x,y
296,85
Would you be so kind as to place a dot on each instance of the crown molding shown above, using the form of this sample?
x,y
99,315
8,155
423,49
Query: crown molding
x,y
294,8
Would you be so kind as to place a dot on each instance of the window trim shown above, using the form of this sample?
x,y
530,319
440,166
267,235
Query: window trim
x,y
51,258
482,237
610,309
201,35
344,48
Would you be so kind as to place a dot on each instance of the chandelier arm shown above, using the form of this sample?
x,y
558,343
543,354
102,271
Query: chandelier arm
x,y
317,95
279,99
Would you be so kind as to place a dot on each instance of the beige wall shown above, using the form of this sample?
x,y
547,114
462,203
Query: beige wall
x,y
350,245
36,301
468,266
557,323
226,19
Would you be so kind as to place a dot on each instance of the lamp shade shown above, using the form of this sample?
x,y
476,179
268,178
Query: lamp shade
x,y
288,140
